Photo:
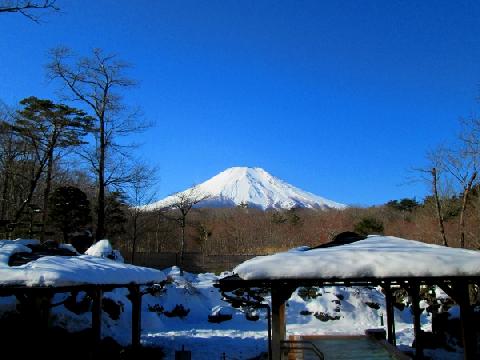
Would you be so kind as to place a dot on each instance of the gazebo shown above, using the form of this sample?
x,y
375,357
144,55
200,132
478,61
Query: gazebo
x,y
30,270
373,261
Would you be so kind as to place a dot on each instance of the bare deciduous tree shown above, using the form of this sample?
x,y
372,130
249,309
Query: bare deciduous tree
x,y
456,166
140,191
180,205
438,206
27,7
96,82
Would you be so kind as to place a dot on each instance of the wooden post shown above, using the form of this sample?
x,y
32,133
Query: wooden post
x,y
269,323
278,322
414,290
97,295
136,299
36,308
390,313
468,328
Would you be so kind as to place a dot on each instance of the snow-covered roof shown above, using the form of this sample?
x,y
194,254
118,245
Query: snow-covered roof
x,y
69,270
374,257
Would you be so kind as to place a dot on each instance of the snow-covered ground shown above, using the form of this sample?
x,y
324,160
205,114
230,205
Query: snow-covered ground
x,y
240,338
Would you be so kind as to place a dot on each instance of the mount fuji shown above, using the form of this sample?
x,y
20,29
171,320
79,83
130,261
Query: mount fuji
x,y
251,186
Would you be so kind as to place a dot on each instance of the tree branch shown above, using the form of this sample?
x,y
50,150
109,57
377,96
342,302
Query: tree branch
x,y
24,7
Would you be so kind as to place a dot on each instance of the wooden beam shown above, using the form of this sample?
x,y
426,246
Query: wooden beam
x,y
269,325
44,301
280,294
136,299
390,313
466,323
97,295
278,323
414,291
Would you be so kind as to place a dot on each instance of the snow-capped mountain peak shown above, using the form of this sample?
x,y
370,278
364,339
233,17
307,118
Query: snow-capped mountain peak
x,y
254,187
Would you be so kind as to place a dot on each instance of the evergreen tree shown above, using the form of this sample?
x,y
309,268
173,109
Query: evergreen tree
x,y
69,210
293,217
45,128
405,204
369,225
115,216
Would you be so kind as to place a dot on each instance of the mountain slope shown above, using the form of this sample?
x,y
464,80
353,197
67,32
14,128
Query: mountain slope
x,y
254,187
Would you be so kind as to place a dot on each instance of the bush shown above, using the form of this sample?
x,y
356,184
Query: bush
x,y
305,312
112,308
218,318
307,293
156,308
373,305
78,306
178,310
322,316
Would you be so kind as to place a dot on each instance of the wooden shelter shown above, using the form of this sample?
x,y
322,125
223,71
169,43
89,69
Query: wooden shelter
x,y
376,261
41,303
34,273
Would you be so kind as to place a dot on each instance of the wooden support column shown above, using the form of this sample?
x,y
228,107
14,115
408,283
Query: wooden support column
x,y
97,295
35,305
414,291
466,323
279,329
44,300
390,313
136,299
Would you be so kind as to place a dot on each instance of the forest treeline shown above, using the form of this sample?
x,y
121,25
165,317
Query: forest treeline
x,y
252,231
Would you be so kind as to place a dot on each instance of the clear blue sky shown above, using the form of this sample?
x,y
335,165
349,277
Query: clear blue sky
x,y
339,98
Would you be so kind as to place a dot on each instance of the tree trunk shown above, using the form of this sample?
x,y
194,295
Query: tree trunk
x,y
33,185
134,236
439,207
46,194
182,247
6,184
157,241
466,192
6,179
100,233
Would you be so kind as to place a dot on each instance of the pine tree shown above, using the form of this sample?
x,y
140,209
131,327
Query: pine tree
x,y
69,210
46,128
